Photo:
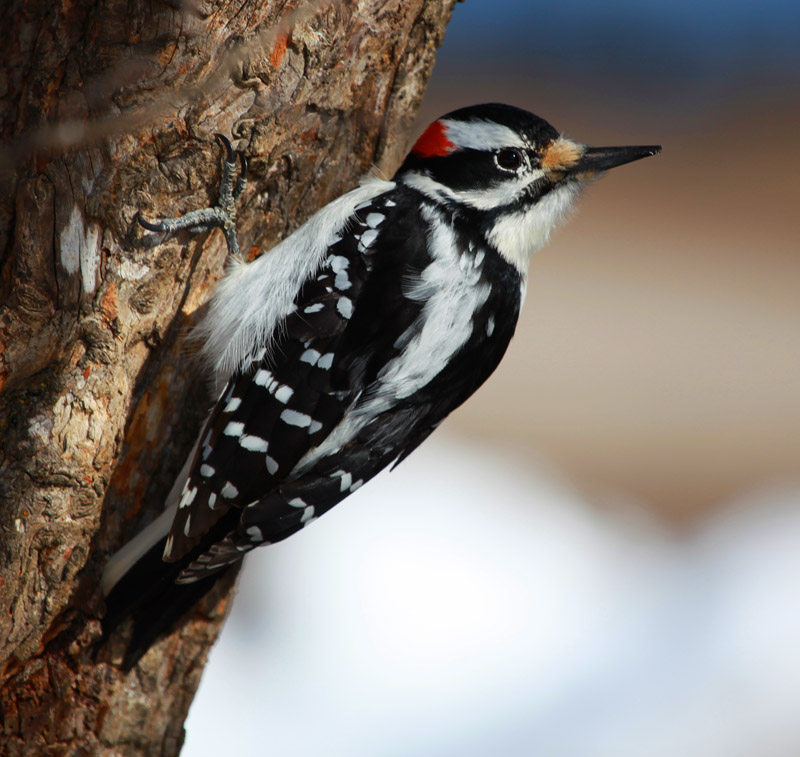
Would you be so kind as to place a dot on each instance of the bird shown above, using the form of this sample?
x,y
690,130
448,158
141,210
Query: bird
x,y
339,351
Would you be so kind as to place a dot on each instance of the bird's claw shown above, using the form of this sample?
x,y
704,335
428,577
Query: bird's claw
x,y
223,214
149,225
230,154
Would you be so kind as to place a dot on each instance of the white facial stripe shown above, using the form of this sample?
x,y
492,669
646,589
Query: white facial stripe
x,y
508,191
481,135
503,194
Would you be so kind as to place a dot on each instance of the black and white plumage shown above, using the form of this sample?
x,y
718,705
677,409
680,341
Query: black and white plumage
x,y
344,347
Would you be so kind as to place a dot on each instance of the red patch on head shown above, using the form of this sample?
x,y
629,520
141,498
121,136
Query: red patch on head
x,y
433,143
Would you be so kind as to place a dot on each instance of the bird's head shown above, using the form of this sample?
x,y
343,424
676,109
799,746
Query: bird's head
x,y
508,167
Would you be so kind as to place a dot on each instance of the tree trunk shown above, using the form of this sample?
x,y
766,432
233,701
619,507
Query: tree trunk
x,y
109,108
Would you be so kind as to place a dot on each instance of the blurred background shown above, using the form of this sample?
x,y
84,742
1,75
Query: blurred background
x,y
599,554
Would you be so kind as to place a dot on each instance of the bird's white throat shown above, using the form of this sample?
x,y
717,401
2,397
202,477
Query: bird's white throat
x,y
517,235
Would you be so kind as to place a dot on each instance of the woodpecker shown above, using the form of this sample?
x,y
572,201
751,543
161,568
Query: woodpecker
x,y
343,348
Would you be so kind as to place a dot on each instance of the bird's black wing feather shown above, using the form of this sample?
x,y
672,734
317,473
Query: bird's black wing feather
x,y
345,324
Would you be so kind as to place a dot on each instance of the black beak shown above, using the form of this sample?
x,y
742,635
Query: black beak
x,y
597,159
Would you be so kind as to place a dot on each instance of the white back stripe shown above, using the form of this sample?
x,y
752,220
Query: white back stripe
x,y
450,287
252,298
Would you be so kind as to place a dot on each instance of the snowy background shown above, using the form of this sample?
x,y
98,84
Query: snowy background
x,y
459,606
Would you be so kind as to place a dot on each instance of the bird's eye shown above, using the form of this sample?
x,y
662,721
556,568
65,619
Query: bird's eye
x,y
509,158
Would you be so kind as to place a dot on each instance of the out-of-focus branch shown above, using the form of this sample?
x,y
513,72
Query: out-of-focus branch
x,y
70,134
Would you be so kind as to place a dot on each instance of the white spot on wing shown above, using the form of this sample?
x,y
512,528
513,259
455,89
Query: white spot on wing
x,y
206,470
229,491
262,378
342,282
339,263
345,307
234,428
188,496
253,443
310,357
232,405
326,361
284,394
293,418
368,237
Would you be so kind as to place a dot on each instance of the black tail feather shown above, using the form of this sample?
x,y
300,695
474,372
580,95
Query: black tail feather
x,y
148,595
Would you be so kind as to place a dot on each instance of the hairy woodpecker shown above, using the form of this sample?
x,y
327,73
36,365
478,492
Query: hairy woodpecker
x,y
345,346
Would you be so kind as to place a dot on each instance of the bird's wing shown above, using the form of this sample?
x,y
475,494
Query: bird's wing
x,y
321,359
383,343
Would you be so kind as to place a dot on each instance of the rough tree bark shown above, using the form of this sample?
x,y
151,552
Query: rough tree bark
x,y
108,108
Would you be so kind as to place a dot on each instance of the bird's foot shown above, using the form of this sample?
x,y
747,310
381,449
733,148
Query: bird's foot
x,y
223,214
